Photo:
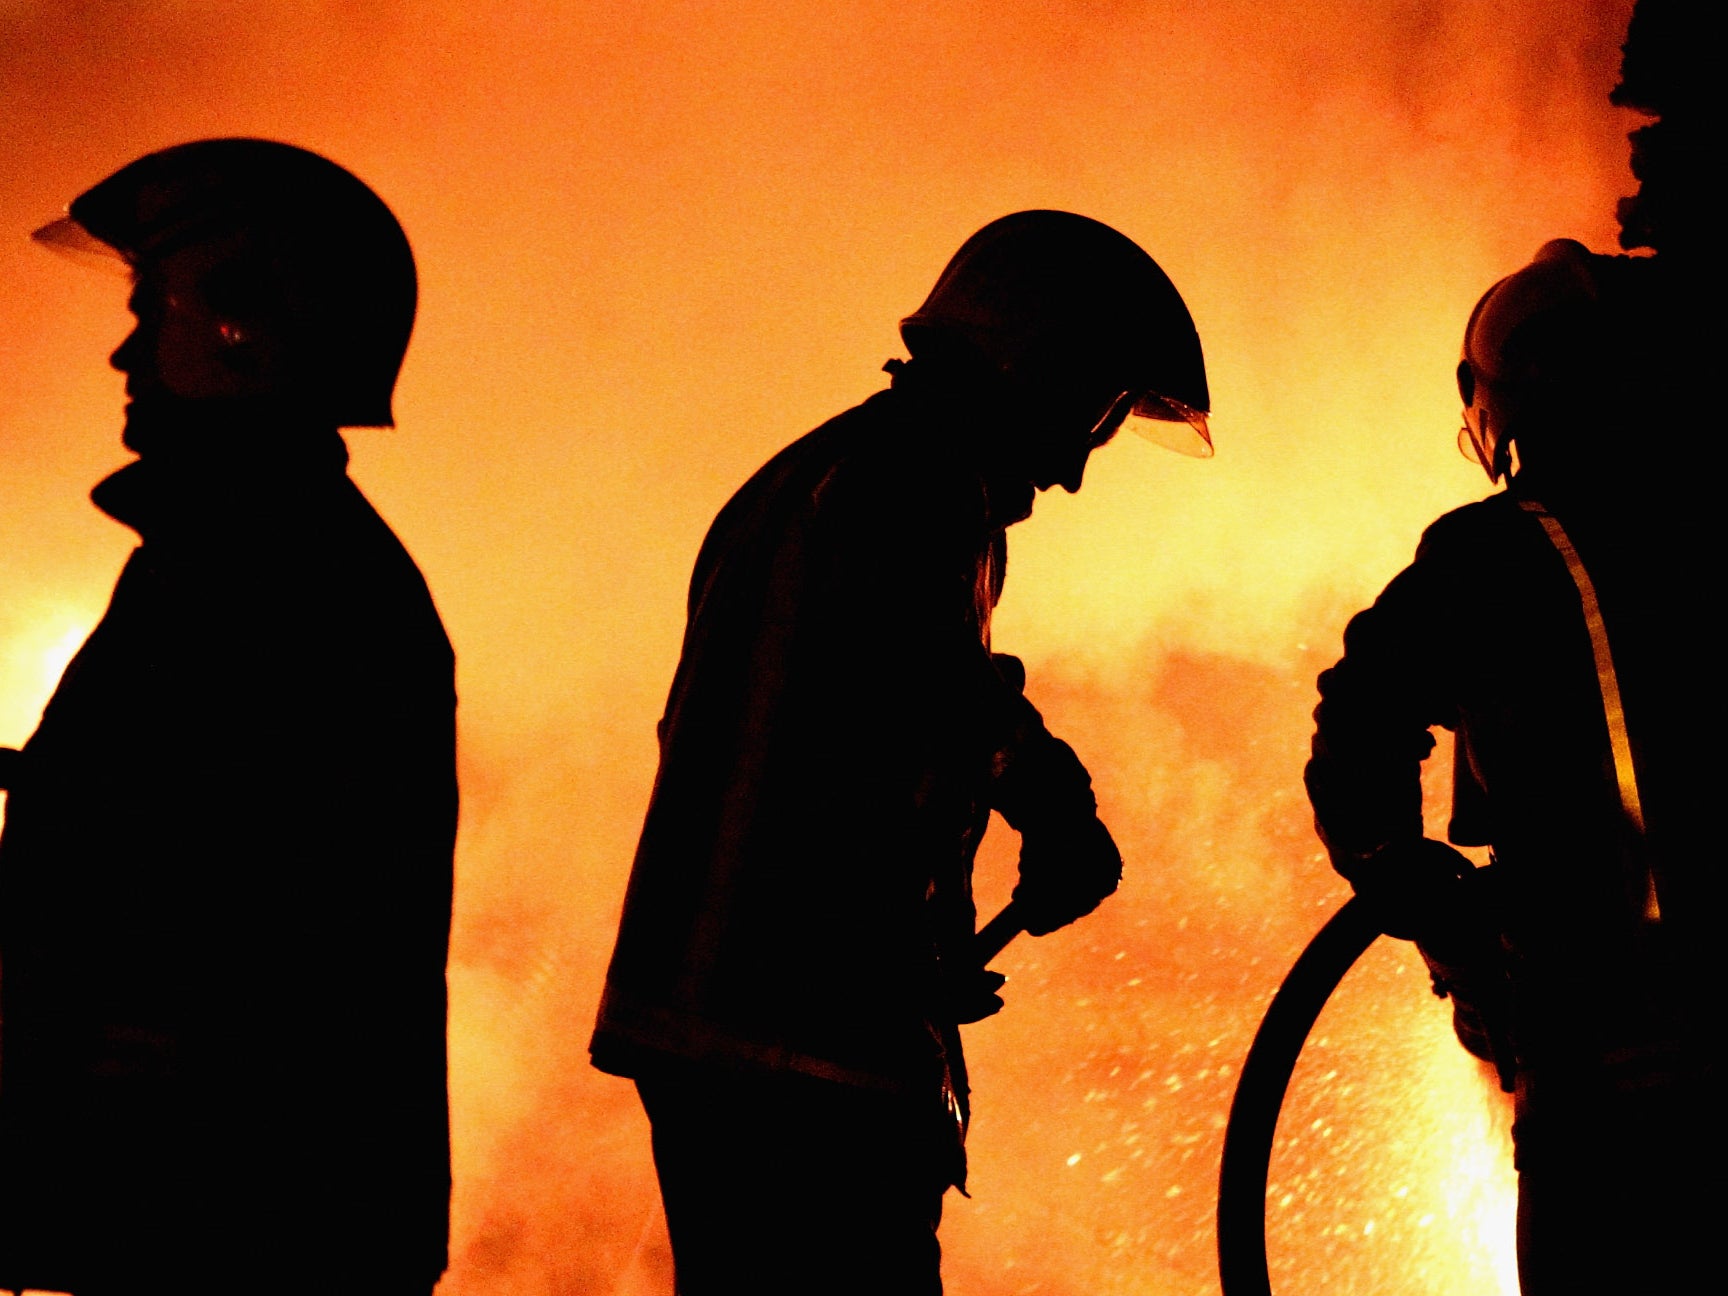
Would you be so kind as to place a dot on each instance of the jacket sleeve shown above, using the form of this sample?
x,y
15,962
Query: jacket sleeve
x,y
1377,705
1037,780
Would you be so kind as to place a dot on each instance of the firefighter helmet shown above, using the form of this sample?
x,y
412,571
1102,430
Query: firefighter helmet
x,y
339,263
1516,343
1049,294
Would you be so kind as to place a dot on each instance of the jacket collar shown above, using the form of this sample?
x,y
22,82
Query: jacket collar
x,y
191,475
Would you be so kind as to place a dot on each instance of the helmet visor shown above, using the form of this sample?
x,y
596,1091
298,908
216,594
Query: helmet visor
x,y
1171,424
66,237
1479,445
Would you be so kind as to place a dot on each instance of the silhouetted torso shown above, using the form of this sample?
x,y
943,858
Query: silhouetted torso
x,y
225,890
824,760
800,908
1484,634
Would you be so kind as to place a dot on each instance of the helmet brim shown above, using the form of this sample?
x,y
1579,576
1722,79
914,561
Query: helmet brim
x,y
67,238
1168,422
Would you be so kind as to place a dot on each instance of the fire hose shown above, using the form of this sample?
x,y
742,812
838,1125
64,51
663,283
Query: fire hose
x,y
1260,1090
1265,1079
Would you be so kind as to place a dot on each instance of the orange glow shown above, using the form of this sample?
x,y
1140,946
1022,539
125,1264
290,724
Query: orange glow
x,y
658,241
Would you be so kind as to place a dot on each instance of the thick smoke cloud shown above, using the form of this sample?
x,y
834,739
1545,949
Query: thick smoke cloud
x,y
657,242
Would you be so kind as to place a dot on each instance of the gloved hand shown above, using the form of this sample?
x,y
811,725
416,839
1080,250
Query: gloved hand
x,y
973,995
1065,872
1413,886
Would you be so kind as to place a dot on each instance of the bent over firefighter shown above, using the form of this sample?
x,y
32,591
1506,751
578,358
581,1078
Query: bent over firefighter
x,y
796,949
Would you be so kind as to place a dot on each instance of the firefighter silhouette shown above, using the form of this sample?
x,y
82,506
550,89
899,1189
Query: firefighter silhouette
x,y
1559,628
796,948
225,879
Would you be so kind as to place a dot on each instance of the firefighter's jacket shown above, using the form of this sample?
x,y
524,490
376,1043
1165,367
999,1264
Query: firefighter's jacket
x,y
1485,634
225,890
835,736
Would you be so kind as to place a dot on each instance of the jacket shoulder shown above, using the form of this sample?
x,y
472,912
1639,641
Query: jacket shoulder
x,y
1466,529
860,443
381,576
866,463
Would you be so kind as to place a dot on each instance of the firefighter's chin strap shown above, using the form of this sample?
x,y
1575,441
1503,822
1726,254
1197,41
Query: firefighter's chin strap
x,y
1619,741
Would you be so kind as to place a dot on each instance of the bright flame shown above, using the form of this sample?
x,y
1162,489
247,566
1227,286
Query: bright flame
x,y
32,659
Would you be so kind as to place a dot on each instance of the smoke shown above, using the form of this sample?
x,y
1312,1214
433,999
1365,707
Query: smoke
x,y
660,240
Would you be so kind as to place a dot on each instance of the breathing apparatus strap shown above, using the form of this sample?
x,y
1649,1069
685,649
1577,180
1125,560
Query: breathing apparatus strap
x,y
1619,741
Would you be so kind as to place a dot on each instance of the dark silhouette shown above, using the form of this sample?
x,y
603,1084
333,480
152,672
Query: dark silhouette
x,y
1564,631
797,949
225,879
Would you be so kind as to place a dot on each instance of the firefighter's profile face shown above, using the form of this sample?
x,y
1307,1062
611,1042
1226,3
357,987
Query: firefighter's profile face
x,y
1070,424
203,331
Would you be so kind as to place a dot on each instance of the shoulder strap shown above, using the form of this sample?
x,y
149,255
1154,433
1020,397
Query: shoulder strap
x,y
1619,741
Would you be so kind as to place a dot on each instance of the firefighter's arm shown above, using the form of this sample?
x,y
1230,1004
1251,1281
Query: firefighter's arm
x,y
9,760
1068,861
1371,732
1371,735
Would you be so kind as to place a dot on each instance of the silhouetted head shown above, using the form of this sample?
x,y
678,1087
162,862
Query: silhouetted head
x,y
265,278
1078,331
1537,369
